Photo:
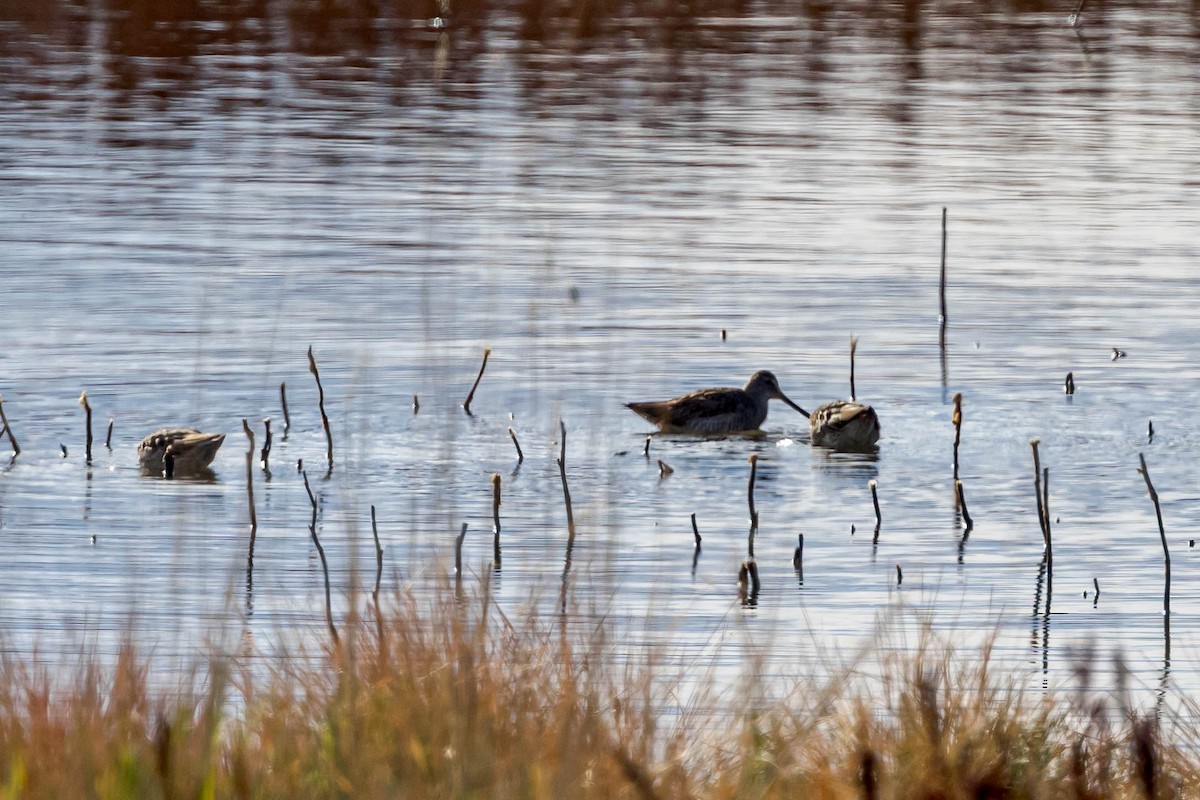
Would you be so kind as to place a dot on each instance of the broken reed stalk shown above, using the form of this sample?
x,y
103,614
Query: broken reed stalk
x,y
108,436
496,517
312,529
11,439
513,435
265,456
853,347
942,319
750,490
378,557
83,401
957,420
696,532
562,472
664,469
748,578
968,523
798,555
646,449
287,420
250,478
1069,383
312,367
1162,534
899,575
487,351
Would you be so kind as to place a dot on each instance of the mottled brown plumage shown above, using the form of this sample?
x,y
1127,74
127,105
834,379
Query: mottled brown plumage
x,y
712,411
190,449
844,425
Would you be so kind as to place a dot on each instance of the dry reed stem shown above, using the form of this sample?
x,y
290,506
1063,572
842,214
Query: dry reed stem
x,y
520,455
696,532
471,394
1037,490
250,479
287,420
798,554
378,557
943,319
968,523
873,485
108,436
312,367
562,472
750,490
853,347
1069,383
1162,532
83,401
312,529
957,419
8,430
496,517
264,458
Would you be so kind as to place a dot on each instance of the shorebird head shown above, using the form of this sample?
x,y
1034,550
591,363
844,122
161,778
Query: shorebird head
x,y
763,383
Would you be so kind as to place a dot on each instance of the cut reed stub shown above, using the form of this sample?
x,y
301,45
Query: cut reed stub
x,y
798,555
108,436
646,449
899,575
83,401
287,420
664,469
695,532
874,486
1069,383
416,404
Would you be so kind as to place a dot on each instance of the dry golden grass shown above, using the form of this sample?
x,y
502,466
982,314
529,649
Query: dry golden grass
x,y
452,701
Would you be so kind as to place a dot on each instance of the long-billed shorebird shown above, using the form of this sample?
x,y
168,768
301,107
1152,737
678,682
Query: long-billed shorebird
x,y
716,410
840,425
190,450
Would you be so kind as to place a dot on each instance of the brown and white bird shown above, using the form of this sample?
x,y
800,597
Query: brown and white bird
x,y
189,449
844,425
715,411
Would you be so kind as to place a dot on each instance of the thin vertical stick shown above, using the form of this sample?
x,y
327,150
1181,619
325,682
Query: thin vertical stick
x,y
11,439
312,367
265,456
312,529
287,420
108,436
1069,383
416,404
496,518
874,486
487,351
250,479
562,472
83,401
942,318
798,555
853,347
378,557
750,490
520,455
1046,500
1162,534
968,523
1037,488
957,419
458,546
899,575
696,532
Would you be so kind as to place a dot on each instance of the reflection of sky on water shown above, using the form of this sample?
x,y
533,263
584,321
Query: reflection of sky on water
x,y
190,200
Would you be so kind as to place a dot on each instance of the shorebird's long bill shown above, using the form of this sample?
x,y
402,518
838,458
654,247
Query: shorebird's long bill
x,y
793,405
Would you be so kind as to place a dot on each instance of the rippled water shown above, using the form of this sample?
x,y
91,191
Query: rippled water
x,y
190,198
